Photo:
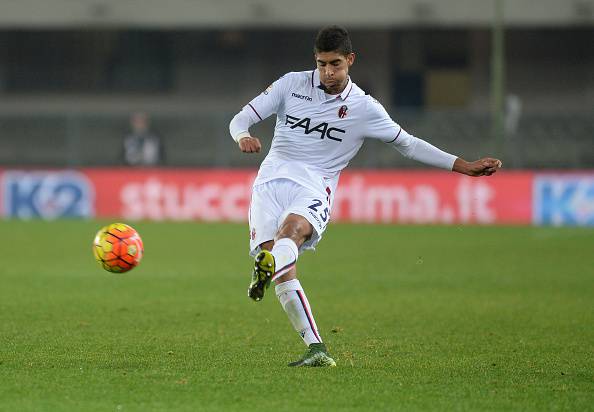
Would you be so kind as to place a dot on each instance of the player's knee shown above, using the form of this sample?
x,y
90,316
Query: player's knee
x,y
267,245
297,228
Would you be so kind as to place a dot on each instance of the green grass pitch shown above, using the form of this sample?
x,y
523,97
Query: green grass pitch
x,y
418,318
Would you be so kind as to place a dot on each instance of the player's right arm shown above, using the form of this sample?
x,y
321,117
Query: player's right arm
x,y
260,108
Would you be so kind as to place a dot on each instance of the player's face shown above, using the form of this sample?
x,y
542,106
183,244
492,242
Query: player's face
x,y
334,70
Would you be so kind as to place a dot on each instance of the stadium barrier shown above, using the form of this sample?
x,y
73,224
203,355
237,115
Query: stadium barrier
x,y
396,196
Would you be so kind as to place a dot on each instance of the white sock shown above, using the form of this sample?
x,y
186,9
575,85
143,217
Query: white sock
x,y
293,300
285,254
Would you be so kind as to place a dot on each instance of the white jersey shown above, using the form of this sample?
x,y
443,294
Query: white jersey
x,y
316,134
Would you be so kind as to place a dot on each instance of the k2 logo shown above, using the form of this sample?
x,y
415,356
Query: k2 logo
x,y
342,112
47,195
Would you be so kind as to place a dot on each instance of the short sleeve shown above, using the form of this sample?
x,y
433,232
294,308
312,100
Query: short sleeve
x,y
270,100
379,123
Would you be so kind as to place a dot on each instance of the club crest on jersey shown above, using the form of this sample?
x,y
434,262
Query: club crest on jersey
x,y
342,112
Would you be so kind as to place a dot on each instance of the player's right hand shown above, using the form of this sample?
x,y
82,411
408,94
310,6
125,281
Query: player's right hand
x,y
250,145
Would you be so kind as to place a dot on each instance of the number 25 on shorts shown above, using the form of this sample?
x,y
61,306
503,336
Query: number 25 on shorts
x,y
324,214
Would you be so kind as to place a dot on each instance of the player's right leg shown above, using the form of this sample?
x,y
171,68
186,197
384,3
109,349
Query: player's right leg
x,y
264,215
277,259
264,268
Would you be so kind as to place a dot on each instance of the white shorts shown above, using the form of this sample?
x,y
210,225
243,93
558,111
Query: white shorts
x,y
273,201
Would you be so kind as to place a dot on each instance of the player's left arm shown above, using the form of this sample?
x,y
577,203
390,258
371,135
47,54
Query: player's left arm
x,y
422,151
381,126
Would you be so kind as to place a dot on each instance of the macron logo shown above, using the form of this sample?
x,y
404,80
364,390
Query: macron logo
x,y
302,97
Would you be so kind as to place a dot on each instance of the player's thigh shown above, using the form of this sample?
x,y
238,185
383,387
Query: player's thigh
x,y
295,227
264,214
272,202
312,206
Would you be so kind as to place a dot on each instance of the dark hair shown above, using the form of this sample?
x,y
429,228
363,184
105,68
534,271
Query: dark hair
x,y
333,38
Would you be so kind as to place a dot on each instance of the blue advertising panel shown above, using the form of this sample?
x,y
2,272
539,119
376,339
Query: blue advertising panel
x,y
47,194
564,200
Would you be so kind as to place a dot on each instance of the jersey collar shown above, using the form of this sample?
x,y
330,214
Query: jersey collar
x,y
315,82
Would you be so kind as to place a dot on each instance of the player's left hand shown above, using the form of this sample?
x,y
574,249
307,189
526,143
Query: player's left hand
x,y
482,167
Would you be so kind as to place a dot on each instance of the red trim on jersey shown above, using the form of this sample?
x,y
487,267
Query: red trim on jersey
x,y
349,91
393,140
257,114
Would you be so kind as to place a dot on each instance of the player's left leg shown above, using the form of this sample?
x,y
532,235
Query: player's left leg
x,y
292,298
276,259
283,254
295,231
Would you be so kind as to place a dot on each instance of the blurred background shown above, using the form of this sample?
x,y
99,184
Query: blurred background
x,y
120,108
509,78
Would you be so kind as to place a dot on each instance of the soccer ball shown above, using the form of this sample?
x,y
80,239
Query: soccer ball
x,y
118,248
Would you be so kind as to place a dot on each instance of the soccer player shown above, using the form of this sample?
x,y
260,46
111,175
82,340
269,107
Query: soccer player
x,y
322,121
